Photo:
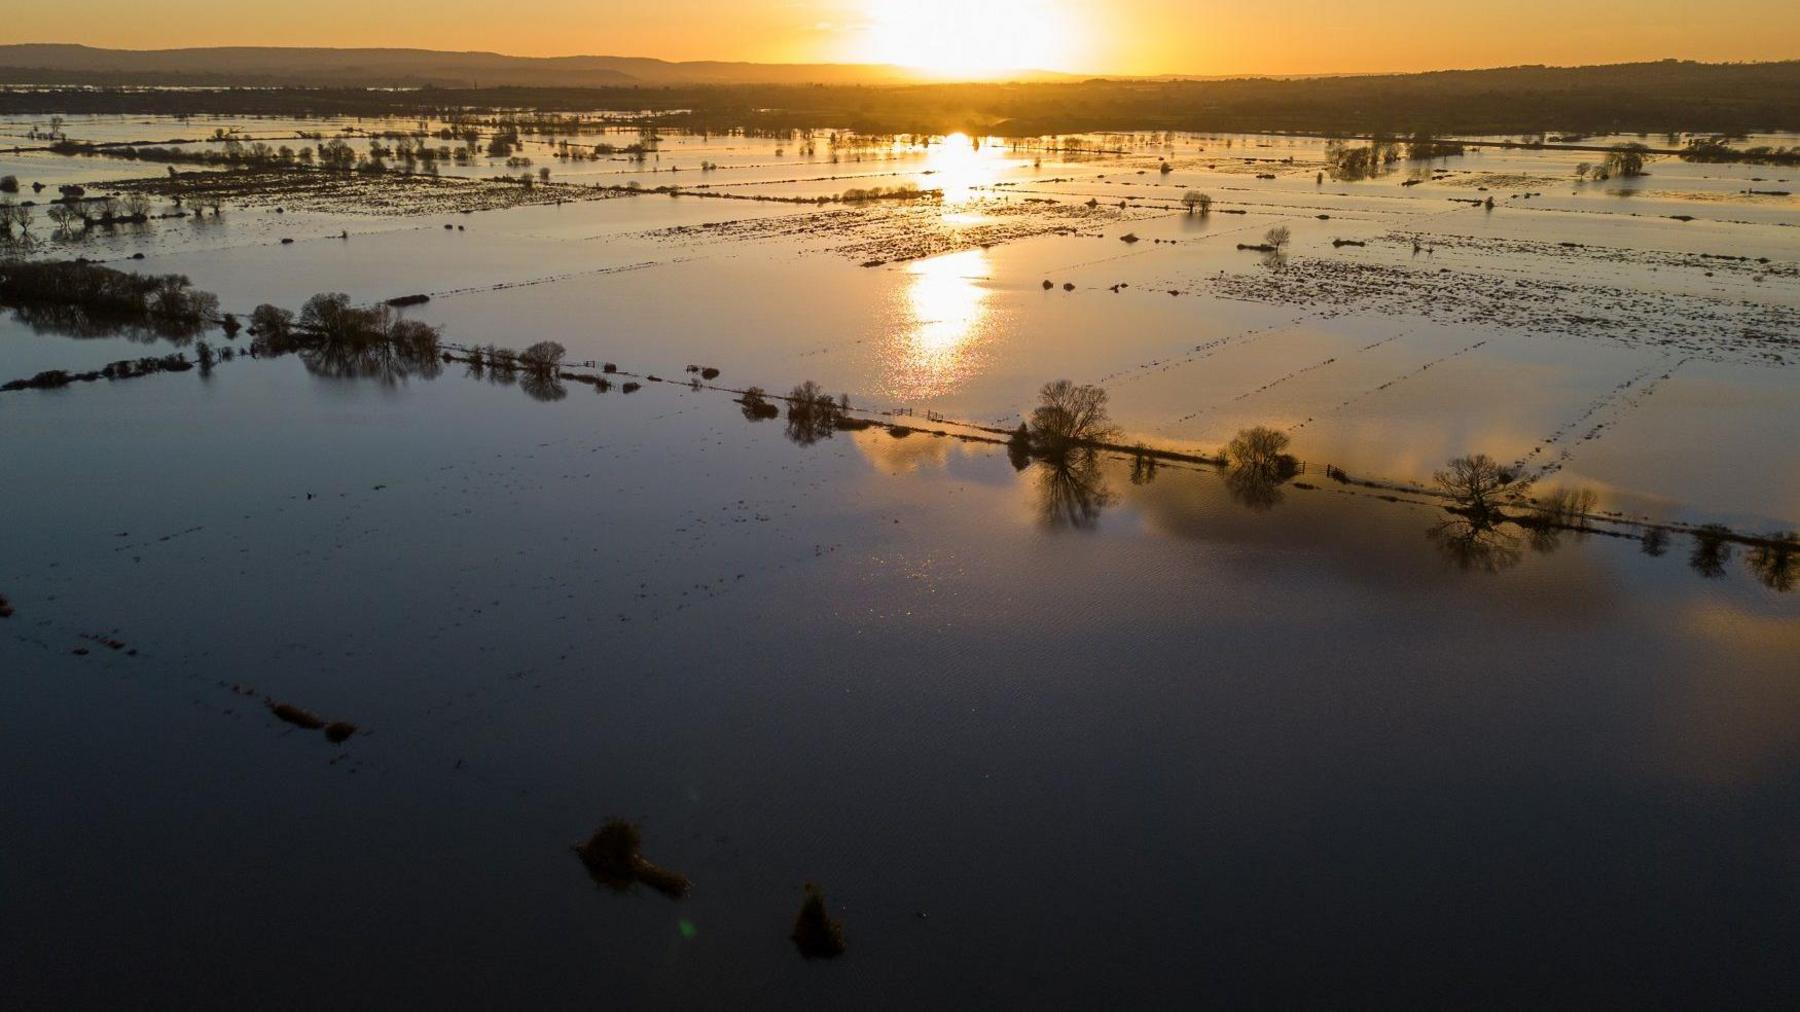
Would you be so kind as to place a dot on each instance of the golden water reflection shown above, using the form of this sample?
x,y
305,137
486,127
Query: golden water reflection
x,y
944,320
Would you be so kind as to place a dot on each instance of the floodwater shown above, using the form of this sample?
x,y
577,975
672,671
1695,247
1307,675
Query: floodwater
x,y
1092,736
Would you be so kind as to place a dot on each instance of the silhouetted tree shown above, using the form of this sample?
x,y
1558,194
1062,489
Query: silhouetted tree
x,y
756,406
544,357
1261,450
1069,415
1626,160
812,414
271,322
1476,482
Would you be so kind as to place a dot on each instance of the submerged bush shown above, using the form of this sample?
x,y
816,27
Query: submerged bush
x,y
756,405
612,859
816,935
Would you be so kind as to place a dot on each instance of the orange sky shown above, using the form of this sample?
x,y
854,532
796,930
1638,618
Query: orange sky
x,y
969,37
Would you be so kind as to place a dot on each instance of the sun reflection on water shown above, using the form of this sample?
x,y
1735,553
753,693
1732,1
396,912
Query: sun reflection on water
x,y
944,318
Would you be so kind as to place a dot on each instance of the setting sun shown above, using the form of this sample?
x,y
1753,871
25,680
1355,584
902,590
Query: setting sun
x,y
969,38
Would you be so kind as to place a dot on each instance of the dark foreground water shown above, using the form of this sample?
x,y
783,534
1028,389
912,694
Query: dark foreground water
x,y
1045,740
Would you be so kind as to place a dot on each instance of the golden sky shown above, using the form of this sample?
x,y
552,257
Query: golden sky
x,y
970,37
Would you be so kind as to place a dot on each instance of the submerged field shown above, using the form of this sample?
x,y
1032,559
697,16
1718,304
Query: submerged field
x,y
1112,733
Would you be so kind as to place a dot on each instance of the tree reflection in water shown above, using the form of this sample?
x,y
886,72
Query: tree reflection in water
x,y
1254,489
1711,552
1777,565
1072,491
1473,545
388,364
542,386
83,322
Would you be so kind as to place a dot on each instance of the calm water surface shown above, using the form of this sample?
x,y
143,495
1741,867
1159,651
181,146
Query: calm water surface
x,y
1077,739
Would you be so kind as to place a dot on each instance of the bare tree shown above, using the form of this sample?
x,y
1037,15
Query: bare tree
x,y
1068,415
1476,482
65,216
1277,236
1194,200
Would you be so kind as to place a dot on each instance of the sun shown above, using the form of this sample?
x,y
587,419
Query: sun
x,y
969,38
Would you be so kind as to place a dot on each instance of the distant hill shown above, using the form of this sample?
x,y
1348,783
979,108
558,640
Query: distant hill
x,y
1668,95
279,66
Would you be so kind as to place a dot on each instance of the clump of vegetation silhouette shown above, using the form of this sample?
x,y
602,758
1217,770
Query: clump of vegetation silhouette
x,y
1626,160
271,322
1194,201
9,184
1711,551
812,413
1259,464
1143,466
6,608
94,291
815,934
339,731
1068,416
543,358
295,715
905,191
1261,450
1776,562
1569,507
1346,161
335,338
612,859
1655,542
756,405
12,214
1477,482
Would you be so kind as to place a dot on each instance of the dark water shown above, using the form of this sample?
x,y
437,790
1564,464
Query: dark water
x,y
1044,740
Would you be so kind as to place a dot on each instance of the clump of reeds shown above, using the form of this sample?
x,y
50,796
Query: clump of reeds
x,y
6,608
339,731
612,859
816,935
296,716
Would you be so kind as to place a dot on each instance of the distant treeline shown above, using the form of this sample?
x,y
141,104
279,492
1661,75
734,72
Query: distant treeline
x,y
1724,99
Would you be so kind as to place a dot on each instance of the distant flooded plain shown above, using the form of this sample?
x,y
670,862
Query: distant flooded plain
x,y
1117,730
